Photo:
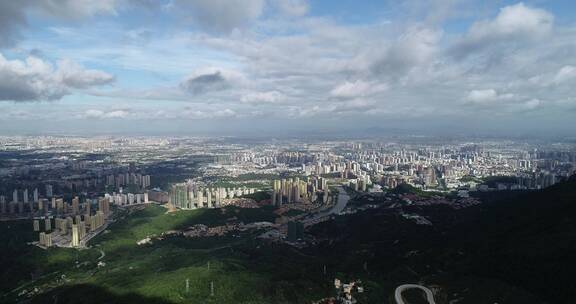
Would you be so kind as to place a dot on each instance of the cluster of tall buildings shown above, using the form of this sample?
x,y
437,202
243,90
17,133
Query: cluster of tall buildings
x,y
328,167
98,180
267,157
72,229
443,167
125,179
23,205
295,190
192,196
360,184
45,239
127,199
25,202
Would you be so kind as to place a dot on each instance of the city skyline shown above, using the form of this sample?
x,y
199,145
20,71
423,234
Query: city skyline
x,y
287,67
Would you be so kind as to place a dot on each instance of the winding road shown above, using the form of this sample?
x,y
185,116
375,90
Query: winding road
x,y
400,289
102,254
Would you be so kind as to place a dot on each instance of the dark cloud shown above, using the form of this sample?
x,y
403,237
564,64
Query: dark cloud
x,y
13,13
12,19
221,16
211,80
203,83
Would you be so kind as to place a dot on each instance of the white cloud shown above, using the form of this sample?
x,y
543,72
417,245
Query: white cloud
x,y
35,79
74,75
357,88
532,104
565,74
263,97
99,114
515,23
517,19
487,96
213,113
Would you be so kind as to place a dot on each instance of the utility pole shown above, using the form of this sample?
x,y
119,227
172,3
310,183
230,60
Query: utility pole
x,y
187,285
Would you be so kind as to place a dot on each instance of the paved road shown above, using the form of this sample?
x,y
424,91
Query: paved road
x,y
400,289
102,254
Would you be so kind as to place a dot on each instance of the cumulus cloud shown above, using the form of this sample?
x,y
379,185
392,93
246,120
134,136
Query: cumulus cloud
x,y
211,80
35,79
515,23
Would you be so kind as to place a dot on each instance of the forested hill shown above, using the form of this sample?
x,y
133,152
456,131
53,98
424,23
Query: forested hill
x,y
529,241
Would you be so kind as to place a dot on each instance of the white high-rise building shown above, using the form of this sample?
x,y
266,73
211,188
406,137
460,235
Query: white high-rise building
x,y
200,197
75,236
209,197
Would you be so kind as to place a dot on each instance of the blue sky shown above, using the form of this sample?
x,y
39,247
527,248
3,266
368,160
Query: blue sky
x,y
258,66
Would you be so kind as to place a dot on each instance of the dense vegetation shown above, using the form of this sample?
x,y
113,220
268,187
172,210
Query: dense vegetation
x,y
409,189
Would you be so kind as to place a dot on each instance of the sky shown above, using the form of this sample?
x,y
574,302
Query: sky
x,y
266,67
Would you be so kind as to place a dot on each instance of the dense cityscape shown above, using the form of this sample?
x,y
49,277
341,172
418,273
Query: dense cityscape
x,y
70,190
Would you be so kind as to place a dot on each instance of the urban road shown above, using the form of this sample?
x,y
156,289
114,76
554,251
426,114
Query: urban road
x,y
400,289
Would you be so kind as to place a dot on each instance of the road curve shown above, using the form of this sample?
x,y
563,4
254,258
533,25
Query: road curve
x,y
402,288
102,254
